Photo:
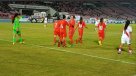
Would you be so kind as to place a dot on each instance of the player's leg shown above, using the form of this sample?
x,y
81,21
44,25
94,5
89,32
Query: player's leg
x,y
121,45
100,38
77,40
20,37
81,36
59,41
129,49
61,38
64,40
129,46
120,48
71,36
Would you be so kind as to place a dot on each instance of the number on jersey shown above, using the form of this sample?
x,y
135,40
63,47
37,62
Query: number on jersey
x,y
80,26
61,26
100,27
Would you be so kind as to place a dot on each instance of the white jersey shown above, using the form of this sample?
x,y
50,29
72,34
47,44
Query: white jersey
x,y
126,35
45,20
97,22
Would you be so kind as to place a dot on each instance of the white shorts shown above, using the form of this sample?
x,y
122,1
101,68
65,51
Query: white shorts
x,y
125,40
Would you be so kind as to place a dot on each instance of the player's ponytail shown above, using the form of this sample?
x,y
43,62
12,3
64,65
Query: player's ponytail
x,y
126,24
16,14
81,19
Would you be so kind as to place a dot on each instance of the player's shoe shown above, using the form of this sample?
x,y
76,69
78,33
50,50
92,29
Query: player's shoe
x,y
59,44
119,51
100,43
64,45
130,52
22,42
13,43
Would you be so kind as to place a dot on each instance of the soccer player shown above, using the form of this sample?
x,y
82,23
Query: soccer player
x,y
56,30
16,28
63,33
126,37
81,25
96,23
101,31
45,22
71,29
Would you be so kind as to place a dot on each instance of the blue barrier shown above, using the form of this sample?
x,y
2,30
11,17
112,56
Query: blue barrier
x,y
9,20
5,20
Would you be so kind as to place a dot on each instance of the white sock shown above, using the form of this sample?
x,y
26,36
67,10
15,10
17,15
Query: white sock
x,y
130,51
119,50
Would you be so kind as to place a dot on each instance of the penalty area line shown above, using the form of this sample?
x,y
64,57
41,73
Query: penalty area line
x,y
88,55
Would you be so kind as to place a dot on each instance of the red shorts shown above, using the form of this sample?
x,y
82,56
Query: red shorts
x,y
71,32
57,32
80,31
101,35
63,34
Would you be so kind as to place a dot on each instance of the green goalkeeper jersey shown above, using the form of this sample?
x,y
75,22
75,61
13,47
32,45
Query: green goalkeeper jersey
x,y
16,24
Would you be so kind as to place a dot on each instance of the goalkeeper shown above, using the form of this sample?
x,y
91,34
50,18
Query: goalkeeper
x,y
16,28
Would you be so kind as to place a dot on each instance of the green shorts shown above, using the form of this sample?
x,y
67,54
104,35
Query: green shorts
x,y
16,32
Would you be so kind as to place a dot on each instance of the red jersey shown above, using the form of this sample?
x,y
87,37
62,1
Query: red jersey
x,y
101,27
57,25
71,23
81,25
63,24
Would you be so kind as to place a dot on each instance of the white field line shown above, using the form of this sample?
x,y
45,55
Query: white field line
x,y
88,55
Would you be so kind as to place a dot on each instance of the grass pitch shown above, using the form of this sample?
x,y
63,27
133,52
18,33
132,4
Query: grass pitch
x,y
38,57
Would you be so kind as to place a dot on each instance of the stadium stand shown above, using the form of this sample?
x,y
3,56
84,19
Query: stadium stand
x,y
117,9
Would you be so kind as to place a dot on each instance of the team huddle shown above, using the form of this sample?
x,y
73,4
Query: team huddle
x,y
60,30
60,26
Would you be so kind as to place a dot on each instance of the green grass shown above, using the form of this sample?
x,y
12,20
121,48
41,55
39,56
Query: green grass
x,y
37,57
